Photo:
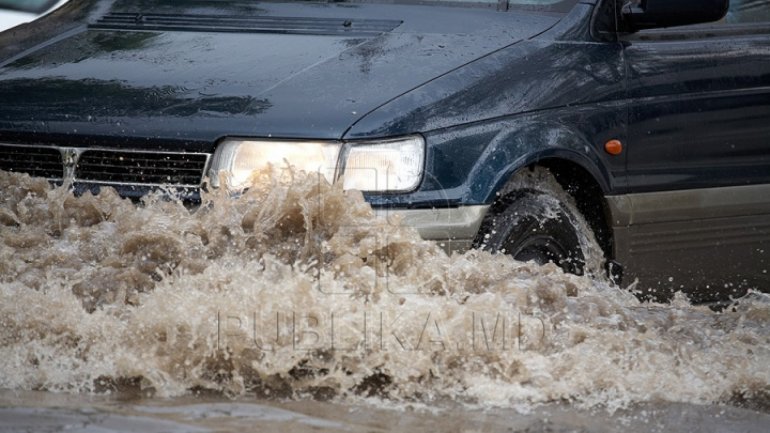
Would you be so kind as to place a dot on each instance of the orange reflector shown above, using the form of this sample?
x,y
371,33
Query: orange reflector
x,y
613,147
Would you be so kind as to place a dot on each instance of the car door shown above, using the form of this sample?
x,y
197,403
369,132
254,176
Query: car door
x,y
699,154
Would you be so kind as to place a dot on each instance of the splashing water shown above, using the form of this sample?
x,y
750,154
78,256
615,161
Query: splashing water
x,y
296,289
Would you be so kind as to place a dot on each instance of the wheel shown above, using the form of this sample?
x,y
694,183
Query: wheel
x,y
540,226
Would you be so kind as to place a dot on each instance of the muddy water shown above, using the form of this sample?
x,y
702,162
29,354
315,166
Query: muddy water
x,y
55,412
295,291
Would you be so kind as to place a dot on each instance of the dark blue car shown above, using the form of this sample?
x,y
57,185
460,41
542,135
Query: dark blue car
x,y
536,128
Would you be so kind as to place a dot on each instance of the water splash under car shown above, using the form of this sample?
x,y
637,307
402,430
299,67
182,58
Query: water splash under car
x,y
650,118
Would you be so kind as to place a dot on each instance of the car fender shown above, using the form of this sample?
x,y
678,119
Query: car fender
x,y
525,142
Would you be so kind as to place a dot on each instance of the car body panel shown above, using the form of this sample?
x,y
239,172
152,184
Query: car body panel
x,y
698,159
706,242
697,120
203,85
544,72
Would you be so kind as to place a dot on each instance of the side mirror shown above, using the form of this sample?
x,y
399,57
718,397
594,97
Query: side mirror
x,y
33,6
651,14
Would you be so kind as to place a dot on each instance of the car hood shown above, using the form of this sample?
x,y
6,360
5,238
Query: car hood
x,y
197,73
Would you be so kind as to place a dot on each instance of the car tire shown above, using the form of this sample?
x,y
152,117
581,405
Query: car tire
x,y
539,226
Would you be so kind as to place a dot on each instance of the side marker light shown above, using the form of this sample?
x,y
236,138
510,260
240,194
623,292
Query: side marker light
x,y
613,147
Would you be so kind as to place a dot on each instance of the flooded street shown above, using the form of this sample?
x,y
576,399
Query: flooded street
x,y
42,412
293,308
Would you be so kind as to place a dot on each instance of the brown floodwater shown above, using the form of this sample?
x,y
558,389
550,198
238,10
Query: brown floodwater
x,y
46,412
293,307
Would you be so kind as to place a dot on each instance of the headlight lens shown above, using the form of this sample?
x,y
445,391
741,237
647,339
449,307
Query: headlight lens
x,y
379,166
238,158
387,166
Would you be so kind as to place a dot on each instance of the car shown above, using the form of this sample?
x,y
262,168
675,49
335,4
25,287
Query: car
x,y
524,127
14,13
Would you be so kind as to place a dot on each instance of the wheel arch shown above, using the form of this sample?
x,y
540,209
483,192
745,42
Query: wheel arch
x,y
580,179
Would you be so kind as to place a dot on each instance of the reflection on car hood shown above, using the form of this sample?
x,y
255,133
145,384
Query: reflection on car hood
x,y
201,83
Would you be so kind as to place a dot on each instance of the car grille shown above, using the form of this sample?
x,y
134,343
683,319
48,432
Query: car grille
x,y
36,161
105,166
141,168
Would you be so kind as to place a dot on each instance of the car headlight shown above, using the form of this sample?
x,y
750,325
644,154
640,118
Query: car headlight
x,y
393,165
238,158
387,166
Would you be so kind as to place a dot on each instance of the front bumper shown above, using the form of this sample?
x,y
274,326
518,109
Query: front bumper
x,y
453,228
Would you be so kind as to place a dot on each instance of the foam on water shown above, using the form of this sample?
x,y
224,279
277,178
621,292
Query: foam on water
x,y
295,288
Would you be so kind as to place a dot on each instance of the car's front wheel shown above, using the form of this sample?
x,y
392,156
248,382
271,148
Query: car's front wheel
x,y
541,225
